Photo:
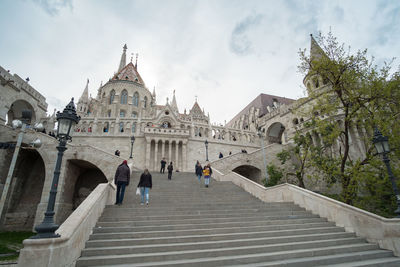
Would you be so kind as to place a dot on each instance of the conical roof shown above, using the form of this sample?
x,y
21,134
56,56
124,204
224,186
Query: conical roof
x,y
129,73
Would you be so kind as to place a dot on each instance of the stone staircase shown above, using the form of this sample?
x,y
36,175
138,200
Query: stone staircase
x,y
187,224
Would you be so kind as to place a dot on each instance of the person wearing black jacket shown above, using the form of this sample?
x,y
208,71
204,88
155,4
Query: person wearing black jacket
x,y
121,180
170,169
145,184
199,171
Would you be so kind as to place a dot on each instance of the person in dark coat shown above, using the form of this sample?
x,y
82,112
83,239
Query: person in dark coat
x,y
170,169
163,163
145,184
199,171
121,180
220,155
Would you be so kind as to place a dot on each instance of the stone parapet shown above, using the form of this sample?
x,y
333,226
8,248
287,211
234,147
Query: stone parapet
x,y
75,231
374,228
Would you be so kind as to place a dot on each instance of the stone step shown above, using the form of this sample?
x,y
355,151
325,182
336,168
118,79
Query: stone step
x,y
195,225
232,239
211,245
207,228
224,256
378,258
209,220
193,235
202,216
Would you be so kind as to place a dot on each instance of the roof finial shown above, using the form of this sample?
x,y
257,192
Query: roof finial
x,y
195,98
137,55
131,57
123,59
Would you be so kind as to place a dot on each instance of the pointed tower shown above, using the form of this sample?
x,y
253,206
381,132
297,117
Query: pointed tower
x,y
83,103
313,82
154,95
122,64
174,106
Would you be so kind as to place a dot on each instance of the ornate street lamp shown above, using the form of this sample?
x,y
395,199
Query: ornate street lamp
x,y
132,141
206,144
263,152
382,147
66,121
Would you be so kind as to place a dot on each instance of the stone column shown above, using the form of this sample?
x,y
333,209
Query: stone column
x,y
163,149
148,147
155,156
176,153
169,150
184,158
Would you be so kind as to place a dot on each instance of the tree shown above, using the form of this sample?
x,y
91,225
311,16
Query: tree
x,y
348,96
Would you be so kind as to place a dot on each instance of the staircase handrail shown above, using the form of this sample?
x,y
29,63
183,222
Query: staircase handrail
x,y
376,229
74,231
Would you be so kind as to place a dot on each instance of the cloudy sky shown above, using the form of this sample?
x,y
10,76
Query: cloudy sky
x,y
224,52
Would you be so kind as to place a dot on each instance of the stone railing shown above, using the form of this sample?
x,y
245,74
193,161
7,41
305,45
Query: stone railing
x,y
374,228
75,231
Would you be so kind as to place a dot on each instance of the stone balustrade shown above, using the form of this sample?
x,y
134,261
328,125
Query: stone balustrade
x,y
374,228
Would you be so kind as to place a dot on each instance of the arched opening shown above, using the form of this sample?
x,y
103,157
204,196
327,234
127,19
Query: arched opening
x,y
124,97
250,172
274,133
25,190
112,96
82,177
15,112
135,99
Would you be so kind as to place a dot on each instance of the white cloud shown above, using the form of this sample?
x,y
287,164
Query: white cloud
x,y
225,52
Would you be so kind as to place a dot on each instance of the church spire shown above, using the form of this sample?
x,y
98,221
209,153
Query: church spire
x,y
174,106
122,64
316,51
85,95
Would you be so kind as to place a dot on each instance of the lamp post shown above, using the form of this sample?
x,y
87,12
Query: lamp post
x,y
263,152
132,141
66,121
206,144
382,147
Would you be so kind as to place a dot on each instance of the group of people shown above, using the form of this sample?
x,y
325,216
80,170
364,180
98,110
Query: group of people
x,y
122,179
206,172
123,172
170,168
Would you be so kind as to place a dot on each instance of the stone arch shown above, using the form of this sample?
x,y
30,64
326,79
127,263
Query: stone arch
x,y
82,178
124,97
250,172
135,99
16,108
25,190
274,132
112,96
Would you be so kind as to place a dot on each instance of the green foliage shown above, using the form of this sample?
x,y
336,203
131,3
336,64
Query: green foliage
x,y
11,243
352,93
274,175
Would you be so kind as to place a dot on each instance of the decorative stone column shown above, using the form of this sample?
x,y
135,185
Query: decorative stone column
x,y
163,148
184,158
155,155
148,147
169,150
176,153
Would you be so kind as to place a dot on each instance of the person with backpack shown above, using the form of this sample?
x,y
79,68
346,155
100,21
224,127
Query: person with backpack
x,y
170,168
207,171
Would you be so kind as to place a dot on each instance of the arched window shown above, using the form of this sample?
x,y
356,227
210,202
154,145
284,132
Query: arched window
x,y
124,97
122,113
112,96
145,102
134,115
135,99
133,127
121,127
